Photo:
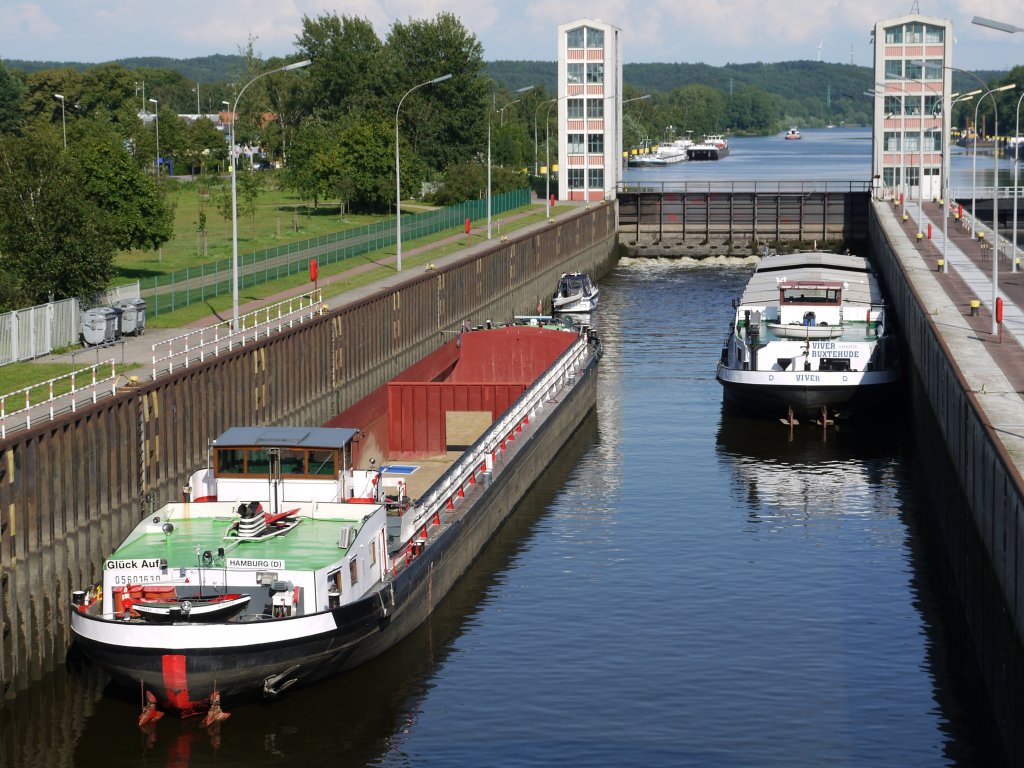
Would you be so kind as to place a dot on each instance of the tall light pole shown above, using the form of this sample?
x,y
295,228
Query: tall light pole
x,y
1016,168
635,98
398,169
234,188
954,98
63,124
198,108
1004,27
501,114
157,111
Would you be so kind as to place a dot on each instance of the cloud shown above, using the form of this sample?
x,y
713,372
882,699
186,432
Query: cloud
x,y
26,21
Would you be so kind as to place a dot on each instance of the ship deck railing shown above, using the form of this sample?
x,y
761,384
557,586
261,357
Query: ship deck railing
x,y
450,489
209,341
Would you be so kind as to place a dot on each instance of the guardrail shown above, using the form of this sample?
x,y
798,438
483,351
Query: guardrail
x,y
50,404
209,341
482,455
759,187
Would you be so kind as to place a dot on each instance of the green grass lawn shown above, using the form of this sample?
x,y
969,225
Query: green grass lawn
x,y
282,217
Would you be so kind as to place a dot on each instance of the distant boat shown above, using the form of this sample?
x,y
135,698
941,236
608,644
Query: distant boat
x,y
712,147
793,134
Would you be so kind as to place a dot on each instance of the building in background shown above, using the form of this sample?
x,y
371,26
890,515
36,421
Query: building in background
x,y
913,56
589,110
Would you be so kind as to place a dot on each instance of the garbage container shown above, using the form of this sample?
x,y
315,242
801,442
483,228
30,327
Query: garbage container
x,y
100,326
133,316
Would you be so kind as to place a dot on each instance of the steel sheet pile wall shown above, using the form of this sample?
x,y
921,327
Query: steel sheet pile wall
x,y
72,488
988,582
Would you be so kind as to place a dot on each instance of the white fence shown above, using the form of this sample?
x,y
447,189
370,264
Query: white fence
x,y
29,333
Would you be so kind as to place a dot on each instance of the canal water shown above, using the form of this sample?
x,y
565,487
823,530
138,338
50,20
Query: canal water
x,y
681,588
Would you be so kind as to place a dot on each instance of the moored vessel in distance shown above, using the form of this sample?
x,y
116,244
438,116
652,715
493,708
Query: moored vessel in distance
x,y
809,340
575,293
712,146
300,552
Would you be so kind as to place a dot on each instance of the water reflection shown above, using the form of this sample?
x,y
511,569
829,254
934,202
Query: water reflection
x,y
790,475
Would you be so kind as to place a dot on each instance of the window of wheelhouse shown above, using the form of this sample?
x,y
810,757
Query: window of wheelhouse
x,y
295,462
817,295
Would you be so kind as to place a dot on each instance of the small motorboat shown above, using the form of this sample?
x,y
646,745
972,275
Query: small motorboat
x,y
575,293
793,134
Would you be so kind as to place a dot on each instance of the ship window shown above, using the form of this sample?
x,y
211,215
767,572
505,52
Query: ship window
x,y
230,461
258,462
321,463
353,571
373,552
334,581
293,462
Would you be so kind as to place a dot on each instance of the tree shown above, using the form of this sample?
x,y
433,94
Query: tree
x,y
752,110
51,234
134,214
10,101
444,122
367,161
344,78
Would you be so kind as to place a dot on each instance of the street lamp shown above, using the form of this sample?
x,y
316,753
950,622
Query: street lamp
x,y
198,109
157,110
63,125
234,188
1004,27
398,169
547,157
954,98
635,98
501,114
1016,168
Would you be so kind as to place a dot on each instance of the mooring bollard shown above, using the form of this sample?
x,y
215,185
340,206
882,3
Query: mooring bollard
x,y
939,265
975,307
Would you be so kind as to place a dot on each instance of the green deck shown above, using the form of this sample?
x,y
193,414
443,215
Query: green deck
x,y
311,545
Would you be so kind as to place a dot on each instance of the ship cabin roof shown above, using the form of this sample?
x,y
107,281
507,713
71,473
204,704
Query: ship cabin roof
x,y
312,453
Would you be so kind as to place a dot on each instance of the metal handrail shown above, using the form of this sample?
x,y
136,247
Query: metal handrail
x,y
51,399
210,340
761,187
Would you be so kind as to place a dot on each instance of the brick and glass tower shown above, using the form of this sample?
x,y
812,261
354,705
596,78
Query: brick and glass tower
x,y
913,56
589,110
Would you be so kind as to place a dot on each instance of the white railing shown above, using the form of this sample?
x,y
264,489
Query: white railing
x,y
209,341
53,403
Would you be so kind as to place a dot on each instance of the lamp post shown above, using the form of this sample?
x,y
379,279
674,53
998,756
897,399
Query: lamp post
x,y
954,98
234,188
627,101
1004,27
157,112
1016,189
398,170
547,156
63,124
198,109
501,114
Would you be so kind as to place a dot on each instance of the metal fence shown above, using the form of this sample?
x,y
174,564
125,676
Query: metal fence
x,y
29,333
167,293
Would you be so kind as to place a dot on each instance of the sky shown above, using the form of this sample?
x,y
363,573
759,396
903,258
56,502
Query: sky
x,y
715,33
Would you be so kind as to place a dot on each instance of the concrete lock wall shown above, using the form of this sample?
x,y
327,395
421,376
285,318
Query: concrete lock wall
x,y
72,488
982,533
